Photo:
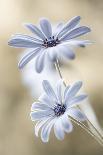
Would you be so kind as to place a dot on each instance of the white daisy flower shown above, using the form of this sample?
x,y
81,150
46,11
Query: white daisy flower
x,y
54,110
49,43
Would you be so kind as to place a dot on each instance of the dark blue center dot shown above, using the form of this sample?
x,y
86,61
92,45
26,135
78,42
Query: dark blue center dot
x,y
59,109
51,42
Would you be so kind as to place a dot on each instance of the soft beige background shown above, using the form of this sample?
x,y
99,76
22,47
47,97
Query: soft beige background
x,y
16,128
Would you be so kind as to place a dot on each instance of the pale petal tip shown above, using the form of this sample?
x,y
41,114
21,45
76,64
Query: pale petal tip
x,y
88,29
32,107
38,70
26,25
10,42
80,83
44,140
43,19
79,17
72,57
31,116
20,66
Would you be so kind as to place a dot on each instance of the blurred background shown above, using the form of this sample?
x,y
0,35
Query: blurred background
x,y
18,89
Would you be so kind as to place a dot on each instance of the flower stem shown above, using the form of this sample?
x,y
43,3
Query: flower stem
x,y
98,133
99,138
87,130
59,72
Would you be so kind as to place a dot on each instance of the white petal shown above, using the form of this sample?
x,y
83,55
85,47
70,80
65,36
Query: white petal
x,y
28,57
46,100
46,27
23,42
66,51
81,43
39,124
66,123
75,100
34,29
75,33
58,28
45,132
52,53
39,115
43,98
59,90
66,90
39,63
48,90
72,91
39,106
25,36
76,114
58,130
68,26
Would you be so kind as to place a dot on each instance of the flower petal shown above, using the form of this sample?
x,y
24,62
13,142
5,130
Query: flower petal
x,y
39,115
25,36
71,92
28,56
66,51
68,26
48,90
39,63
66,123
34,29
39,106
45,132
76,114
75,33
80,43
75,100
52,53
46,100
58,28
23,42
46,27
66,90
58,130
59,90
39,124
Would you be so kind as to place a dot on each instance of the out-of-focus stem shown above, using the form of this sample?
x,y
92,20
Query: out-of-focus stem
x,y
59,72
87,130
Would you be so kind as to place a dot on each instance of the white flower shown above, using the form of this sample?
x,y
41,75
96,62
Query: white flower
x,y
46,43
54,110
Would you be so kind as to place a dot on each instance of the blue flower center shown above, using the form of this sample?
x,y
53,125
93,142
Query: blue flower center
x,y
59,109
51,42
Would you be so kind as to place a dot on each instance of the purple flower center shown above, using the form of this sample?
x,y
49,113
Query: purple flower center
x,y
51,42
59,109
